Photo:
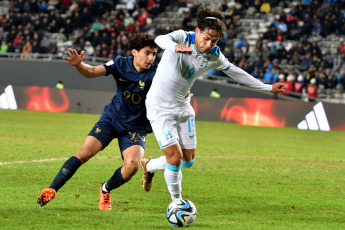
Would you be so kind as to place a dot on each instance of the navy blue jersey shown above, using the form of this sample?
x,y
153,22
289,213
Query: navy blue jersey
x,y
128,105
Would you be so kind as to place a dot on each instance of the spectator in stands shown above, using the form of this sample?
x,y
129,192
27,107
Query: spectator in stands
x,y
315,50
318,31
3,47
255,53
258,63
34,7
18,6
321,80
122,39
44,45
275,74
128,19
306,62
337,61
27,49
256,72
68,29
341,47
85,15
281,52
330,82
239,54
232,12
327,26
307,24
130,6
266,52
301,50
44,6
270,34
53,27
299,84
312,73
96,25
290,19
337,78
268,76
289,84
265,7
283,27
143,17
18,39
89,50
267,64
325,63
312,88
316,62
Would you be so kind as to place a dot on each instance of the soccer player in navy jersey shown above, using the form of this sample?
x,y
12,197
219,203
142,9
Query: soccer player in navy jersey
x,y
123,118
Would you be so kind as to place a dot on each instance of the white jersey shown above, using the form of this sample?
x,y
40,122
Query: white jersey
x,y
177,72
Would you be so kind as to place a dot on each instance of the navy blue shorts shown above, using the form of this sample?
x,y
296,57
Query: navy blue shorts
x,y
105,130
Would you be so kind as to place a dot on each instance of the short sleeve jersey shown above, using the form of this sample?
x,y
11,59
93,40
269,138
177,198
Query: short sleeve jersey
x,y
128,105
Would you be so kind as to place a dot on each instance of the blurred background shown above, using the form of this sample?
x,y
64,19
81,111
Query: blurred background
x,y
300,43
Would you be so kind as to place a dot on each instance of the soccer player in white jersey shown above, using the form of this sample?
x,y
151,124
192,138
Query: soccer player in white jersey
x,y
187,55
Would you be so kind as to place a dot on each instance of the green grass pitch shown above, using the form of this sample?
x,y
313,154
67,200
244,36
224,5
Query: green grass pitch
x,y
243,178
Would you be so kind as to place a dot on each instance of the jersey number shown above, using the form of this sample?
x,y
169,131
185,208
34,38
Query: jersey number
x,y
132,97
188,73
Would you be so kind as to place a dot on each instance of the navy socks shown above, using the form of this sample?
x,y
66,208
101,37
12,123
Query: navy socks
x,y
65,173
115,181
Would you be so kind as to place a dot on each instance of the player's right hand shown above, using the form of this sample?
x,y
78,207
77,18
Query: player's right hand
x,y
73,57
278,87
183,49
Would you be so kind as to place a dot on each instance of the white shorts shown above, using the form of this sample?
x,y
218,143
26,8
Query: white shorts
x,y
172,126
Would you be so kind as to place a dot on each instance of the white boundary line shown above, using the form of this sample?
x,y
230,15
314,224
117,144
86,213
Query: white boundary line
x,y
198,157
43,160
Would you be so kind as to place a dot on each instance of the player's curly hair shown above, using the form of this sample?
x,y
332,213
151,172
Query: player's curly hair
x,y
210,19
141,40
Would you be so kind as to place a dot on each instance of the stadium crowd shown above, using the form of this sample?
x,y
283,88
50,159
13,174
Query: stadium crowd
x,y
287,51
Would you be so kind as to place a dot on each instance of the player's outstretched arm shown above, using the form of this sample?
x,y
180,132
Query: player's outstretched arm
x,y
278,87
86,70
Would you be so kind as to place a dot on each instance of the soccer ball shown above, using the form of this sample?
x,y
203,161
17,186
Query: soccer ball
x,y
181,213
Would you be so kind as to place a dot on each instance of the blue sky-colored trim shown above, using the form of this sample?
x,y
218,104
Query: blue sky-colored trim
x,y
214,51
171,37
173,168
226,68
190,37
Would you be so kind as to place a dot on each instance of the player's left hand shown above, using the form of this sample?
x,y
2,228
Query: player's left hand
x,y
73,57
278,87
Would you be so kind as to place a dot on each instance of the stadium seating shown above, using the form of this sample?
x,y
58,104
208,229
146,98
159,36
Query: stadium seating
x,y
250,24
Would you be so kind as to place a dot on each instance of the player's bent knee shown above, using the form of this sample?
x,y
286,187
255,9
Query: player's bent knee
x,y
131,168
187,164
84,155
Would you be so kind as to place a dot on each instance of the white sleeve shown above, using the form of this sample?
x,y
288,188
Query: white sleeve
x,y
241,76
169,41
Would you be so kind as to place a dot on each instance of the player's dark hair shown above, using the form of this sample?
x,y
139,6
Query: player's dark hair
x,y
210,19
141,40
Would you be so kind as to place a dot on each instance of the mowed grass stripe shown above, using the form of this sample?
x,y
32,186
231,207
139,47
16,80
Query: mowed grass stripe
x,y
243,178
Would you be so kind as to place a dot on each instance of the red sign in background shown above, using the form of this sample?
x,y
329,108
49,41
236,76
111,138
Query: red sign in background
x,y
45,99
245,111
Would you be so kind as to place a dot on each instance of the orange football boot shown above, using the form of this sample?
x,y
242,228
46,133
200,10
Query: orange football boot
x,y
46,195
104,200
